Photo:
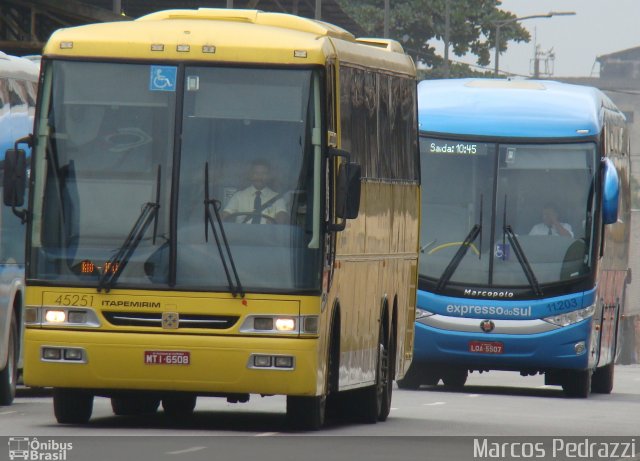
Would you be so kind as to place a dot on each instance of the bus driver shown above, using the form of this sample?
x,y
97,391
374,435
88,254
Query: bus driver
x,y
550,224
257,204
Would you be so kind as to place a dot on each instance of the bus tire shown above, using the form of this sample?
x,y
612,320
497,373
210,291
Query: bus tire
x,y
455,378
602,379
134,405
412,379
387,381
577,383
72,406
369,400
9,374
179,406
306,413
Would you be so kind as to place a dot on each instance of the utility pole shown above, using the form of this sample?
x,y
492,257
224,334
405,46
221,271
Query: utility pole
x,y
536,63
117,6
318,15
543,57
447,29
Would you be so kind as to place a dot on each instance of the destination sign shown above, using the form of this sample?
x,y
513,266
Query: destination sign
x,y
437,146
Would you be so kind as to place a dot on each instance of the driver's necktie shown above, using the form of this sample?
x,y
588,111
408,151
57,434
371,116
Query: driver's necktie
x,y
257,204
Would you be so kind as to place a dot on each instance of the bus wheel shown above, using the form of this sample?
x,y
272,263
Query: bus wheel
x,y
455,378
577,383
9,375
412,378
72,406
179,406
602,380
370,400
134,405
306,413
388,369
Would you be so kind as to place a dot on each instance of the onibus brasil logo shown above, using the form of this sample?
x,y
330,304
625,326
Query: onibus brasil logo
x,y
30,448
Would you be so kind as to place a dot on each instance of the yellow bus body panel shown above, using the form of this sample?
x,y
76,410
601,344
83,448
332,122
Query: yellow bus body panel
x,y
217,364
228,36
219,359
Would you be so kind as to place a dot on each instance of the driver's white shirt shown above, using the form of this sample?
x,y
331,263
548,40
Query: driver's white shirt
x,y
242,202
543,229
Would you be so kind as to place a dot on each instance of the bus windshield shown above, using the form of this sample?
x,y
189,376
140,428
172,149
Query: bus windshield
x,y
132,152
522,213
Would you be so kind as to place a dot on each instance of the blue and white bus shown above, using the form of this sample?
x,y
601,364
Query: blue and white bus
x,y
18,85
525,232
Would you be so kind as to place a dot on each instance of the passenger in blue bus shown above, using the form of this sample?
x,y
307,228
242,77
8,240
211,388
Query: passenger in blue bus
x,y
257,204
551,224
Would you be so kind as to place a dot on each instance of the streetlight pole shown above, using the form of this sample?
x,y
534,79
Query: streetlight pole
x,y
447,27
503,22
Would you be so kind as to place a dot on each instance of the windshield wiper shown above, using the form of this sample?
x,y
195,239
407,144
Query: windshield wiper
x,y
462,251
236,289
457,258
522,259
114,267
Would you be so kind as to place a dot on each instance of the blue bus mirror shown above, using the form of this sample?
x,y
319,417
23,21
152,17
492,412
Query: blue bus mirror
x,y
610,192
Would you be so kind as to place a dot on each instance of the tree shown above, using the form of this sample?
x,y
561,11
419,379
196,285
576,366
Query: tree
x,y
414,22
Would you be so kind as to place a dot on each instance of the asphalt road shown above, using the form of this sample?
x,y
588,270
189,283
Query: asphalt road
x,y
431,423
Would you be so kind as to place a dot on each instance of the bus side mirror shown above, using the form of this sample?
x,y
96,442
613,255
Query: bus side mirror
x,y
610,192
15,177
348,191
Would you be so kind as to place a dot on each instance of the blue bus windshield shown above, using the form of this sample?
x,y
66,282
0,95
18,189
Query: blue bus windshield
x,y
541,193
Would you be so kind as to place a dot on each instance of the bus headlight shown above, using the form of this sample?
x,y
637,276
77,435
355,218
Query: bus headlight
x,y
572,317
55,316
281,324
285,324
421,313
61,316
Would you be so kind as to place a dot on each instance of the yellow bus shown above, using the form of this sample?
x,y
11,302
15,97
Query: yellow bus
x,y
156,274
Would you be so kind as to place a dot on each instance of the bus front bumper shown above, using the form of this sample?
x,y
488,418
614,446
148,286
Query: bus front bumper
x,y
562,348
138,361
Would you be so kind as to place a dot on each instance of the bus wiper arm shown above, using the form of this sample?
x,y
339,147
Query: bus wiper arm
x,y
522,259
225,254
457,258
114,267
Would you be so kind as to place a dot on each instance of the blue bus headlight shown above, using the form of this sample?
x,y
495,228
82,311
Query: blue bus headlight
x,y
570,318
421,313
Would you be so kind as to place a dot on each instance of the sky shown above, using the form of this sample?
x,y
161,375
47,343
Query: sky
x,y
599,27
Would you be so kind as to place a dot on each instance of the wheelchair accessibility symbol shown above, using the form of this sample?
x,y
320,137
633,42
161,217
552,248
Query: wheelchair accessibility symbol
x,y
163,78
502,251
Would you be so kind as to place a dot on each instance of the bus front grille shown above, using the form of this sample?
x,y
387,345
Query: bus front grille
x,y
143,319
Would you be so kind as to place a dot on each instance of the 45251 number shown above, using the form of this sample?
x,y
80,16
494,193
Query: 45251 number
x,y
74,300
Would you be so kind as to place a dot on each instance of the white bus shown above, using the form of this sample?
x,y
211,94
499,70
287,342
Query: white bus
x,y
18,84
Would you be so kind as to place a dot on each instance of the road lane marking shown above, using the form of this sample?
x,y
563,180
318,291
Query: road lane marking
x,y
186,450
473,395
267,434
393,408
434,403
7,412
